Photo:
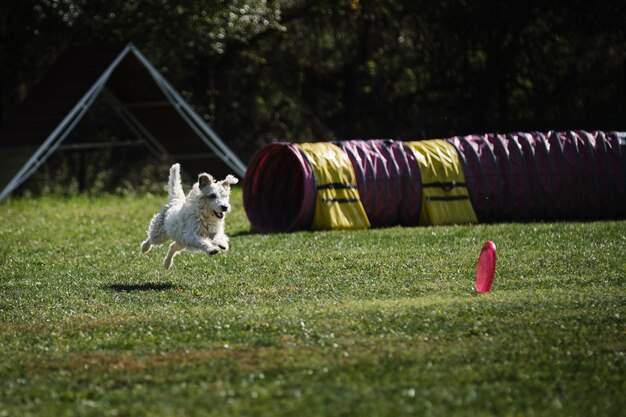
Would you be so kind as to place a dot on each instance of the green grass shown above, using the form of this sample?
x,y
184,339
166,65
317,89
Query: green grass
x,y
381,322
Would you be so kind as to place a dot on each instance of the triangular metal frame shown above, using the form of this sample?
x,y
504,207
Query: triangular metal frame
x,y
61,132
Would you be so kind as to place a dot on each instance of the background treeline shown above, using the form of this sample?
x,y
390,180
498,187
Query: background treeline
x,y
302,70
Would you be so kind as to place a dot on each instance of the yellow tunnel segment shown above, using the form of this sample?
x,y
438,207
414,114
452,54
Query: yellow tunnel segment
x,y
338,204
445,199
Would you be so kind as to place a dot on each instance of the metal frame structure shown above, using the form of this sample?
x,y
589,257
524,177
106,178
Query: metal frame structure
x,y
55,139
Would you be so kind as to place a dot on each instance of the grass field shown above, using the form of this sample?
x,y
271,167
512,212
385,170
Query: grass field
x,y
381,322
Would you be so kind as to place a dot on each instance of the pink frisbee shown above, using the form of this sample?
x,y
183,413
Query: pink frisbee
x,y
486,267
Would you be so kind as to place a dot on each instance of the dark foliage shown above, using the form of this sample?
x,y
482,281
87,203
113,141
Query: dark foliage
x,y
305,70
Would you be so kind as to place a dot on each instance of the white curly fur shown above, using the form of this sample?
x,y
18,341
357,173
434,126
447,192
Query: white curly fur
x,y
195,222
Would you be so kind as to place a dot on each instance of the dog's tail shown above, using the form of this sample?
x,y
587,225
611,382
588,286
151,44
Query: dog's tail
x,y
174,187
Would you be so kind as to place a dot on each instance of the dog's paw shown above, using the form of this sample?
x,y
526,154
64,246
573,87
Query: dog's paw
x,y
210,249
145,246
221,242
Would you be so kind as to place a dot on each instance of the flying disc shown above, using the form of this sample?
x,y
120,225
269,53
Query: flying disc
x,y
486,267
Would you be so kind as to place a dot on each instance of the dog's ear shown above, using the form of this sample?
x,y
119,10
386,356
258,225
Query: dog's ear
x,y
230,179
204,180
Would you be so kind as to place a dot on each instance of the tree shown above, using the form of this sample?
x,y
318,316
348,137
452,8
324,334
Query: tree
x,y
303,70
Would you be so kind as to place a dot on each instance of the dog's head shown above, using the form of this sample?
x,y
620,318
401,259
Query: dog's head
x,y
215,194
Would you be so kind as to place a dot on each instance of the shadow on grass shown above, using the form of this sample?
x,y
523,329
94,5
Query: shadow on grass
x,y
243,233
148,286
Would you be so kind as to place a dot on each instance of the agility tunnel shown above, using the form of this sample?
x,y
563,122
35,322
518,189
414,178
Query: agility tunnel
x,y
358,184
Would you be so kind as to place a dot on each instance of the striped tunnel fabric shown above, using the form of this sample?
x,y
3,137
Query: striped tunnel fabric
x,y
388,180
337,204
520,176
445,196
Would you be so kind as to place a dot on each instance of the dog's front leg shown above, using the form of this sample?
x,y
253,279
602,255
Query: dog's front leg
x,y
205,245
194,241
221,240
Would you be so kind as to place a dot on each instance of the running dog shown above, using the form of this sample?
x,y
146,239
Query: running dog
x,y
194,222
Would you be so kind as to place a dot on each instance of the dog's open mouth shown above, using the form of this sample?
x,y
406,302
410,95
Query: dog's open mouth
x,y
219,215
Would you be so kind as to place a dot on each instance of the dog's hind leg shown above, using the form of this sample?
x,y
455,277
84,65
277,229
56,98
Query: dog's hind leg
x,y
145,246
156,232
169,258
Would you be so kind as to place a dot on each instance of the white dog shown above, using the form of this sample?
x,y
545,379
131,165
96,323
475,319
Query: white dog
x,y
195,222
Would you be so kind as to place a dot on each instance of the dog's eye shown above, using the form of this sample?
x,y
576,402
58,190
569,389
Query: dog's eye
x,y
212,196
